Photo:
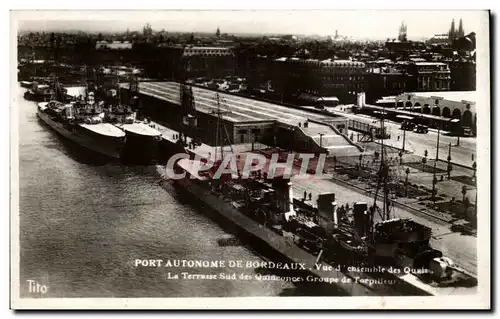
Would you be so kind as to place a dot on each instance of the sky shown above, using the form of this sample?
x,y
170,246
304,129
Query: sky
x,y
373,24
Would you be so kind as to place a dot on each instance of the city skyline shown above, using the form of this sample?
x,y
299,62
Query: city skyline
x,y
377,24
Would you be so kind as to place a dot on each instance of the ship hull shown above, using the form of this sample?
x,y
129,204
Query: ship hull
x,y
105,145
26,84
267,241
37,97
284,251
140,148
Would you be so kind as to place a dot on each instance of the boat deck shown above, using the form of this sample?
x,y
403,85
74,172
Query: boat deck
x,y
105,129
289,251
140,129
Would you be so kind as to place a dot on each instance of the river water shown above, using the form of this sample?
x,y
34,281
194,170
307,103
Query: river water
x,y
84,221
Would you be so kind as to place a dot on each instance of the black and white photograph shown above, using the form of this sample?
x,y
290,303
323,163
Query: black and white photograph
x,y
246,159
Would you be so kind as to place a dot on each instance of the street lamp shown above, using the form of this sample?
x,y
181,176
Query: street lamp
x,y
449,168
434,190
437,145
464,192
406,181
466,204
434,179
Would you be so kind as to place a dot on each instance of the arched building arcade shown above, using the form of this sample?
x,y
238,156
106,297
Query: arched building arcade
x,y
458,105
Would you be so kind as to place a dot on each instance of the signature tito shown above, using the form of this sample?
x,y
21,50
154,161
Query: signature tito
x,y
35,287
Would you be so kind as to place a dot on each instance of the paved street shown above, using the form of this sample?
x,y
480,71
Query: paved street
x,y
418,143
461,248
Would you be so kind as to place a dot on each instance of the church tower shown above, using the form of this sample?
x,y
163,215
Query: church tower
x,y
402,32
461,32
452,33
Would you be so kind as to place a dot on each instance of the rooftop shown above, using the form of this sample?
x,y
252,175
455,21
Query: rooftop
x,y
207,51
236,109
430,63
456,96
208,48
327,62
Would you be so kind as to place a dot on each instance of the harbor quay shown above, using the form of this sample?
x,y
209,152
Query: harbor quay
x,y
333,179
273,175
186,166
255,123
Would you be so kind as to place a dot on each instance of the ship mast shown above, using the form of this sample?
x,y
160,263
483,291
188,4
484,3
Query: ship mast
x,y
383,175
86,82
219,132
54,93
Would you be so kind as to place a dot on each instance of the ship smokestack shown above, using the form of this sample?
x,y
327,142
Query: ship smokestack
x,y
284,196
327,211
361,216
361,99
335,214
291,210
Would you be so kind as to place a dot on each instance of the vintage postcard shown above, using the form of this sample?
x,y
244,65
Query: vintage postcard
x,y
250,159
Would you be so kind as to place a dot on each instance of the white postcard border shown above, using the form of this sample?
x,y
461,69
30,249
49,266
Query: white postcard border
x,y
481,300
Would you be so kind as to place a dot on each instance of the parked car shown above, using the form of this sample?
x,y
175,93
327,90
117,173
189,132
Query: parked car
x,y
408,126
421,129
468,131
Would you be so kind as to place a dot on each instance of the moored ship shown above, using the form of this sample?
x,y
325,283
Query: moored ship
x,y
83,123
389,257
26,84
142,139
38,92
